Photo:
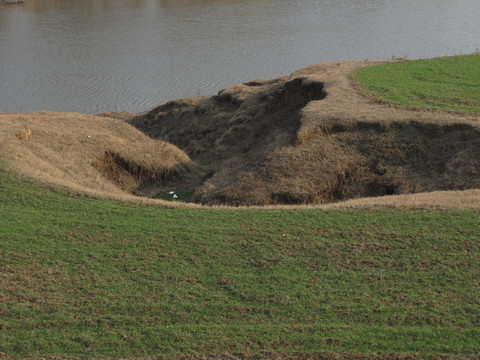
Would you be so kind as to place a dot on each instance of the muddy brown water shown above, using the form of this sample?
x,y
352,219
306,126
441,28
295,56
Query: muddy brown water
x,y
129,55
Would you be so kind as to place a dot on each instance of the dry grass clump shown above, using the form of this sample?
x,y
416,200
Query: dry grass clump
x,y
99,155
24,134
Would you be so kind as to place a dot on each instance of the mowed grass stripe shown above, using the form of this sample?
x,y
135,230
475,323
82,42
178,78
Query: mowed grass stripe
x,y
97,278
446,83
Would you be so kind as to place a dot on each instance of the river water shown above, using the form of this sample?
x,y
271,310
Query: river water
x,y
129,55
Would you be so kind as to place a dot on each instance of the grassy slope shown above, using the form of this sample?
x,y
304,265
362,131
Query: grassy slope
x,y
86,277
448,83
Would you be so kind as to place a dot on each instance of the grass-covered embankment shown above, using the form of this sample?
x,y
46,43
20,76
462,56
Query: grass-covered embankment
x,y
446,83
96,278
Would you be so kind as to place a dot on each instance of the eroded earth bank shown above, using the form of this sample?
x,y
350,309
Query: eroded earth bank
x,y
307,138
312,138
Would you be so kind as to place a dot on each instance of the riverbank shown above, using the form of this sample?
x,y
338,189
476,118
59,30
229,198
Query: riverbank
x,y
88,277
309,138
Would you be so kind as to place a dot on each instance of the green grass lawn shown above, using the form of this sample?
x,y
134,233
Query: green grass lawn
x,y
448,83
96,278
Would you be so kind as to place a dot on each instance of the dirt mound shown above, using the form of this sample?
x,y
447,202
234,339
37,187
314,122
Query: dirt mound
x,y
312,138
93,154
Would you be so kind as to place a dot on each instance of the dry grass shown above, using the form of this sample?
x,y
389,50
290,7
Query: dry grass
x,y
307,139
70,150
313,138
24,134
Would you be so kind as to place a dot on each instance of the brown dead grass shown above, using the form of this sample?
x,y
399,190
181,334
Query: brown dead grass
x,y
24,134
100,156
313,138
310,138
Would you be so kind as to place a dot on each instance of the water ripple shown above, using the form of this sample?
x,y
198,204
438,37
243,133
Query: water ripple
x,y
102,55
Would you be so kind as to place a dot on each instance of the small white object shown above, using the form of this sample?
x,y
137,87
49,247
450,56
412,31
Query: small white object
x,y
175,196
171,192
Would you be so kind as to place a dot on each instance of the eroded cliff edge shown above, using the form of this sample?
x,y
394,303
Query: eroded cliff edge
x,y
313,138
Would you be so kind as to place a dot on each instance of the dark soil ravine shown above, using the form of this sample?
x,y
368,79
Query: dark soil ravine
x,y
259,145
232,132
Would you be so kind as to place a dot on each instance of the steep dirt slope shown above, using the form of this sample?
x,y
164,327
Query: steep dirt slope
x,y
230,133
312,138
